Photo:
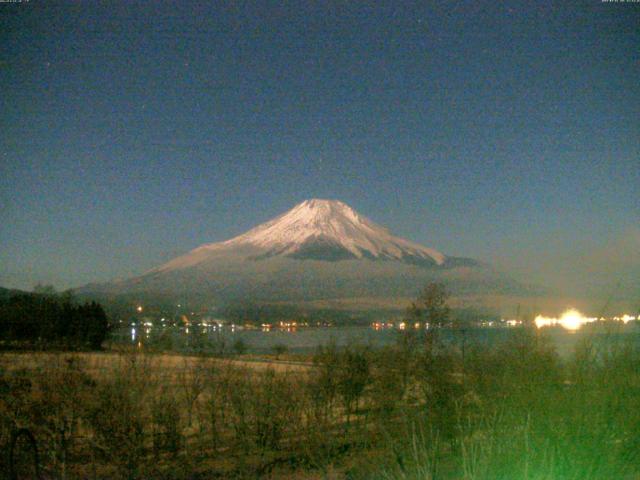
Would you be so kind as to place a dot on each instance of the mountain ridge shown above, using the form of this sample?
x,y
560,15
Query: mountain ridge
x,y
319,249
313,228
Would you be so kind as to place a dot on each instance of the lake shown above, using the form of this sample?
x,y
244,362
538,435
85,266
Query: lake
x,y
307,339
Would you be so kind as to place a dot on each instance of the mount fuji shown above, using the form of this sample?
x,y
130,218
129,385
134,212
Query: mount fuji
x,y
327,230
318,250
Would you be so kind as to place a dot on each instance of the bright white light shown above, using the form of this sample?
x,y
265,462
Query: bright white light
x,y
544,321
570,320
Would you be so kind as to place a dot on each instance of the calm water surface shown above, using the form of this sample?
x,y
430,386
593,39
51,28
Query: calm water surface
x,y
305,340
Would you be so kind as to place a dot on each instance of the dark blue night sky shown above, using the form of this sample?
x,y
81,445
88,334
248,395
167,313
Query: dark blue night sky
x,y
135,131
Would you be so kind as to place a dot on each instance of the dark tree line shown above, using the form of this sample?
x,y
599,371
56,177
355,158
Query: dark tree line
x,y
52,319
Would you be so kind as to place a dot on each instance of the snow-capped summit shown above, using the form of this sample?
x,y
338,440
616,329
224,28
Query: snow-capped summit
x,y
331,223
321,230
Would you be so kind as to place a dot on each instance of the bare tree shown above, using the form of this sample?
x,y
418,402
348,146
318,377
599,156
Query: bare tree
x,y
192,382
431,305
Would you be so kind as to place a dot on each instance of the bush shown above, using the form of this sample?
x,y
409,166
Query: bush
x,y
280,349
240,347
353,377
165,414
117,415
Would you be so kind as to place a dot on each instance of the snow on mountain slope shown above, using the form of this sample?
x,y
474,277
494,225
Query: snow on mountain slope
x,y
318,229
320,249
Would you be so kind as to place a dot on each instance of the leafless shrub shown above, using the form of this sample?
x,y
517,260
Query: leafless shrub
x,y
165,415
118,414
191,380
353,377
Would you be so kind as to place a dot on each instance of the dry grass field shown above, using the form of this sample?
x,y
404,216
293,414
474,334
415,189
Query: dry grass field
x,y
98,363
414,410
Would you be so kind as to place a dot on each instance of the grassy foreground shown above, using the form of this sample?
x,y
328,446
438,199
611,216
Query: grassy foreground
x,y
417,410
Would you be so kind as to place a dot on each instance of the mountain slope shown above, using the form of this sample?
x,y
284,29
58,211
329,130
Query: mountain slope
x,y
320,249
316,229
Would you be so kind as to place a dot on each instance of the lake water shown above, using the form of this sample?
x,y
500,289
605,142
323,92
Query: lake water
x,y
306,340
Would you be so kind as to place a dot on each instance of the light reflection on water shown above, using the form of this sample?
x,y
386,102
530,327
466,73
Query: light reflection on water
x,y
305,340
573,320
